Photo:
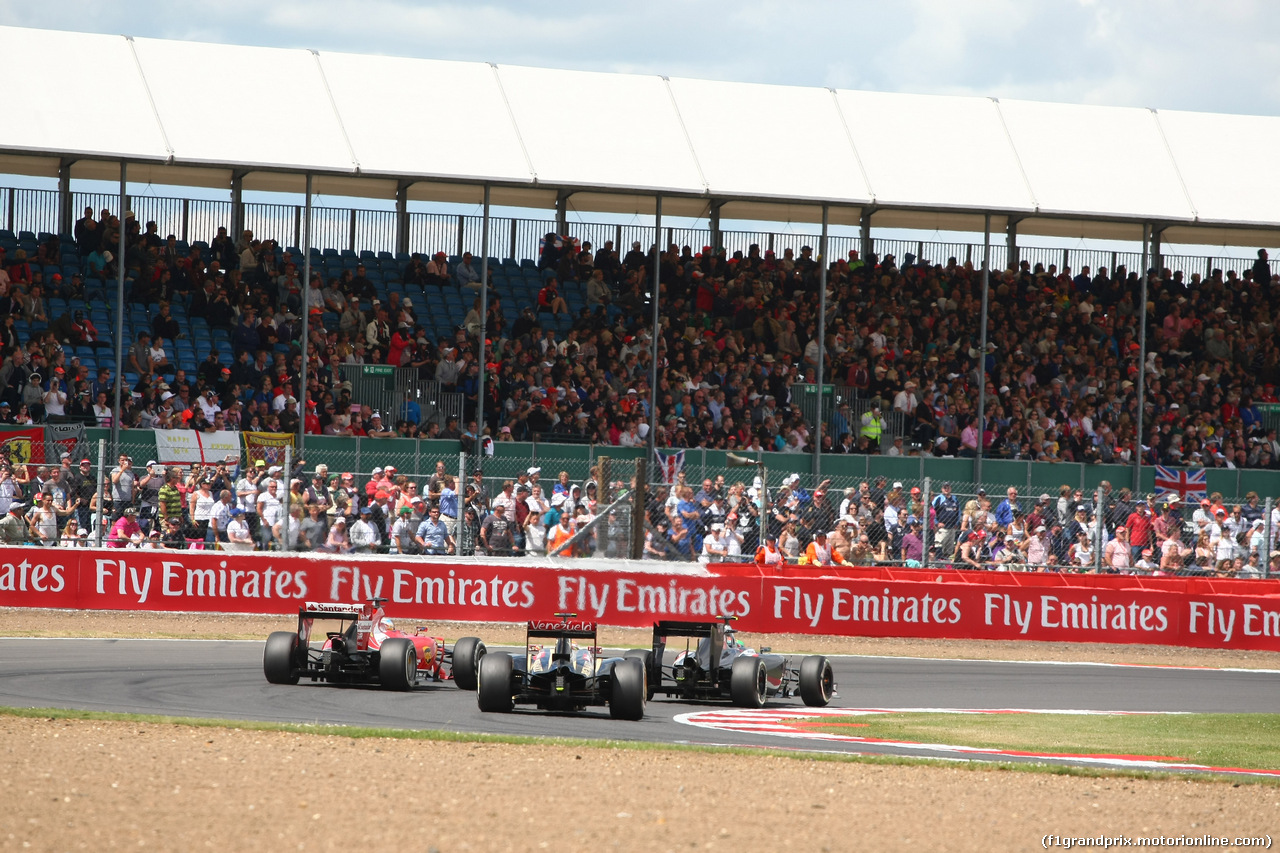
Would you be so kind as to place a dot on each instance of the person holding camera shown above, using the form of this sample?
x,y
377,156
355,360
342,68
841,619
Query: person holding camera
x,y
124,481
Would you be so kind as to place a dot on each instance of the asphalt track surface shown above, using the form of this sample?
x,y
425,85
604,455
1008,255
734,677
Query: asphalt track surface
x,y
223,679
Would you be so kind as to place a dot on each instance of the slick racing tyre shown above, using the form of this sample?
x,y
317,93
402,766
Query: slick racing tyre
x,y
645,656
747,682
628,692
817,681
493,690
397,664
467,653
280,657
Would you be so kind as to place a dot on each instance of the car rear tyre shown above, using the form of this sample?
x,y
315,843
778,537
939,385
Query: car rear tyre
x,y
493,688
747,681
467,653
817,681
397,664
651,675
628,693
280,657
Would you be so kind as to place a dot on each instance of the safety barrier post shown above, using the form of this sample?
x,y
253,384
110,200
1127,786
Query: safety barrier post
x,y
102,488
1100,528
288,487
1265,551
924,524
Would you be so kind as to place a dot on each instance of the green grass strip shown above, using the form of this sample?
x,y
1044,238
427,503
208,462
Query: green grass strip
x,y
1217,740
440,736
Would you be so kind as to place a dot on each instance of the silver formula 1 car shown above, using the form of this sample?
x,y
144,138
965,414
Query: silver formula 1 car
x,y
718,666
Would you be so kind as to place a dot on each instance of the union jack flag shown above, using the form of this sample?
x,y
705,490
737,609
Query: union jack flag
x,y
1187,484
669,465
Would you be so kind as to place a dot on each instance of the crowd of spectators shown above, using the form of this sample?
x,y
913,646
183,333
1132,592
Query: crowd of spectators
x,y
257,506
737,333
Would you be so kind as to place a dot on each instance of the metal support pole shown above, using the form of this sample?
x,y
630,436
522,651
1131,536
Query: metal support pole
x,y
638,504
306,318
562,213
1100,529
458,489
283,542
982,349
821,426
1011,243
484,319
1264,553
657,329
237,205
713,223
864,233
1157,250
66,216
1142,362
924,523
119,374
764,502
102,490
402,217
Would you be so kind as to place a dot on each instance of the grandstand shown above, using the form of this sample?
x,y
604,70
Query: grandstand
x,y
1174,176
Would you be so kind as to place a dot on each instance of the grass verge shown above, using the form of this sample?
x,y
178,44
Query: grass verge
x,y
1218,740
359,732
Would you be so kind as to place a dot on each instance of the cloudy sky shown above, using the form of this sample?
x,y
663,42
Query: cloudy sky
x,y
1211,55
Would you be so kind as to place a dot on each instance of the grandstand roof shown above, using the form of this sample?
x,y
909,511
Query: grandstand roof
x,y
192,114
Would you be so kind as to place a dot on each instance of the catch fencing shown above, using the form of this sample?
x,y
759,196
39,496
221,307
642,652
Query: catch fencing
x,y
683,511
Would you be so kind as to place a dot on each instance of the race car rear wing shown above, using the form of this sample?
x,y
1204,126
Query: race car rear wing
x,y
337,610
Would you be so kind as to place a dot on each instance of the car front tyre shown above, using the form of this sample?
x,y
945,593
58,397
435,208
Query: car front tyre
x,y
397,664
279,658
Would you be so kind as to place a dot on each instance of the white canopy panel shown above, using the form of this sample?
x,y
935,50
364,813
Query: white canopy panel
x,y
934,151
250,106
1095,161
749,125
81,94
1228,162
185,112
439,119
625,133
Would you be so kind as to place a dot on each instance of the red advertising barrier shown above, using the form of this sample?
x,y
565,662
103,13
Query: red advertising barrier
x,y
854,602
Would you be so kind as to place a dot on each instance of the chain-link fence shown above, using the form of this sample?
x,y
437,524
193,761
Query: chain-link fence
x,y
727,516
392,499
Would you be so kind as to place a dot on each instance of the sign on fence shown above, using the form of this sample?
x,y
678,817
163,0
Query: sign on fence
x,y
187,446
862,602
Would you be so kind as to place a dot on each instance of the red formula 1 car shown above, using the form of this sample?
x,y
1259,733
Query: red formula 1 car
x,y
367,649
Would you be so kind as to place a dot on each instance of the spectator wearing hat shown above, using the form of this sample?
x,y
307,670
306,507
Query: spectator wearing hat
x,y
364,535
124,529
820,551
238,536
13,527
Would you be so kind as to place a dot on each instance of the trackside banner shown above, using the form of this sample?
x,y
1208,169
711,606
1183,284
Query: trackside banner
x,y
860,602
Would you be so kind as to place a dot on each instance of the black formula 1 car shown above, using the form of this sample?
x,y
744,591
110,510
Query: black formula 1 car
x,y
557,673
721,667
367,649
